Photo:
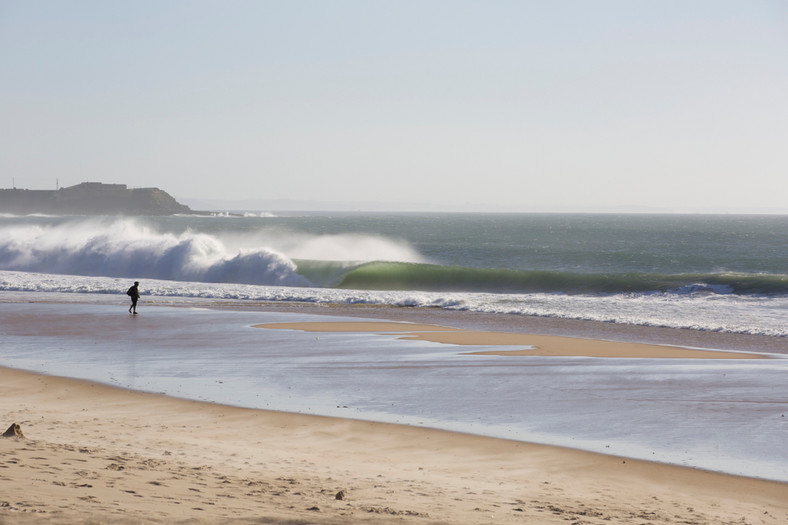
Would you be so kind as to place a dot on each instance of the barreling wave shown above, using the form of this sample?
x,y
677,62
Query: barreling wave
x,y
431,277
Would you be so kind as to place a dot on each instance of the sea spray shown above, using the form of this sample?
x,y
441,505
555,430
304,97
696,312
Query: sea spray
x,y
125,248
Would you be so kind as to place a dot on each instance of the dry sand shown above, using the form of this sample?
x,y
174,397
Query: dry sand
x,y
99,454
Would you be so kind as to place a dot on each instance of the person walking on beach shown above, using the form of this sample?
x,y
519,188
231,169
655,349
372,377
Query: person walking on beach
x,y
134,293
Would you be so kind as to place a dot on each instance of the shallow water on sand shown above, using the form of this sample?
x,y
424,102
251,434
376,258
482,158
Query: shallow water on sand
x,y
726,415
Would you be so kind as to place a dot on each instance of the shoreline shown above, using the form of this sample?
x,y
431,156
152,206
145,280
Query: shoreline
x,y
467,319
525,324
120,455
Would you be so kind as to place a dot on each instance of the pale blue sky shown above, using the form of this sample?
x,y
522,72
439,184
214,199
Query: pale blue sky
x,y
444,105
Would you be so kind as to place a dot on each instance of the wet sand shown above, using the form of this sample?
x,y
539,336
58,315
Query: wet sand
x,y
99,454
538,345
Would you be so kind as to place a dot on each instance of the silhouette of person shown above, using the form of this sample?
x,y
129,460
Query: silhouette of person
x,y
134,293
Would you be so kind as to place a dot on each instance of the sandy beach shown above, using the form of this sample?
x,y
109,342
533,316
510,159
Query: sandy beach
x,y
100,454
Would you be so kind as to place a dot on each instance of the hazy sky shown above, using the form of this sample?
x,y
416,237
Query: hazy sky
x,y
432,104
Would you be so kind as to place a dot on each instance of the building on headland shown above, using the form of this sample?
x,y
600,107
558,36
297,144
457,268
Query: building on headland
x,y
91,198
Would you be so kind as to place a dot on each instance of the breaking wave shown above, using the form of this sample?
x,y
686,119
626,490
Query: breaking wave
x,y
431,277
124,248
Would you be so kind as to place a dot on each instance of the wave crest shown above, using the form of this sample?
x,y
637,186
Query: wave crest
x,y
124,248
430,277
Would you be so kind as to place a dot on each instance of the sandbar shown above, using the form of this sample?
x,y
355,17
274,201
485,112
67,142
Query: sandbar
x,y
538,345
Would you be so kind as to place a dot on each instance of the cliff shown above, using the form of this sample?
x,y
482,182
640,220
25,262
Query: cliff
x,y
91,198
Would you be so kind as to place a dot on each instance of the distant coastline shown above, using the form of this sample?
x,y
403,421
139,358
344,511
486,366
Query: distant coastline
x,y
92,198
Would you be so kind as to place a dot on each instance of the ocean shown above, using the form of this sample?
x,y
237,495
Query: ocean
x,y
717,276
718,273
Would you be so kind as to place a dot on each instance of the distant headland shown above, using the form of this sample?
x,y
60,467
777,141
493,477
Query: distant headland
x,y
92,198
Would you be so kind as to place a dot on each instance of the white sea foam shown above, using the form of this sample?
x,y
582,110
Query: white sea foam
x,y
124,248
700,288
716,313
258,214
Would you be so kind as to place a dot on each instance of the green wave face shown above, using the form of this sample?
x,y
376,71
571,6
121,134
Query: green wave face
x,y
432,277
414,276
325,274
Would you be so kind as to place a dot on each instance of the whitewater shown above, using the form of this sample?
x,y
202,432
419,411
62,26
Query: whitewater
x,y
709,273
